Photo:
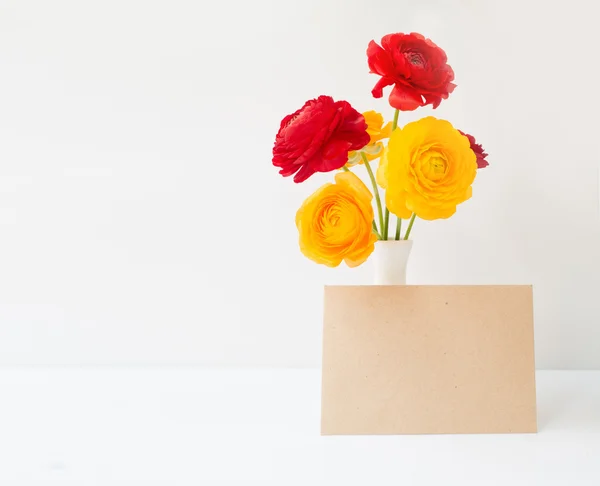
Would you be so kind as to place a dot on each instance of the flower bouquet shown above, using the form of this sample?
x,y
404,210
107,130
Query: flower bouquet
x,y
403,359
425,168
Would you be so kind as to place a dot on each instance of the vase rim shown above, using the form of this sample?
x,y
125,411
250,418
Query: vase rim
x,y
395,241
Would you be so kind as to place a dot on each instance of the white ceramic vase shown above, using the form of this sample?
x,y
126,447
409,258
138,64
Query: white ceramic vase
x,y
390,259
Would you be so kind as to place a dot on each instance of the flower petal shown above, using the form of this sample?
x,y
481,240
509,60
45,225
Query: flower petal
x,y
404,98
304,173
383,82
379,60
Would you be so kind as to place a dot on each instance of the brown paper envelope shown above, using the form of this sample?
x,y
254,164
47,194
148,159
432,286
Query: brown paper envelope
x,y
428,360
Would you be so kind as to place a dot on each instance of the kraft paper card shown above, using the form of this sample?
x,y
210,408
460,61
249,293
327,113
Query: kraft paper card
x,y
428,360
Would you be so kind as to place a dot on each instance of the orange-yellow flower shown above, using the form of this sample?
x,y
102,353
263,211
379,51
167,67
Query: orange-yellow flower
x,y
375,128
335,223
430,169
377,131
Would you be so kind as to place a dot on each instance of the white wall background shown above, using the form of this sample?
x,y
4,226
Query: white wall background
x,y
141,220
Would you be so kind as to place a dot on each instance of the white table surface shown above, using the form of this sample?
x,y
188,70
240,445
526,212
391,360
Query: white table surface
x,y
191,426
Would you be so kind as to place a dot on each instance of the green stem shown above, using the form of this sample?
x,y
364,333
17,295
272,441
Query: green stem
x,y
398,228
376,191
375,230
410,225
372,222
385,229
387,224
395,122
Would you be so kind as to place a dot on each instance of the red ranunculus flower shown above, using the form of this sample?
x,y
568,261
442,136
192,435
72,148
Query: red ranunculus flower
x,y
318,137
479,151
415,66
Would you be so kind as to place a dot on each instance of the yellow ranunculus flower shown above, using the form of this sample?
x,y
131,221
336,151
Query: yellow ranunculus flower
x,y
430,169
335,223
381,174
377,131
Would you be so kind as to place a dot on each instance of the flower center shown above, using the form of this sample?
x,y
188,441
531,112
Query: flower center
x,y
415,58
434,165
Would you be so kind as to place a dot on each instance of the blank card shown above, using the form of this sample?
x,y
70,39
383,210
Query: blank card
x,y
428,360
